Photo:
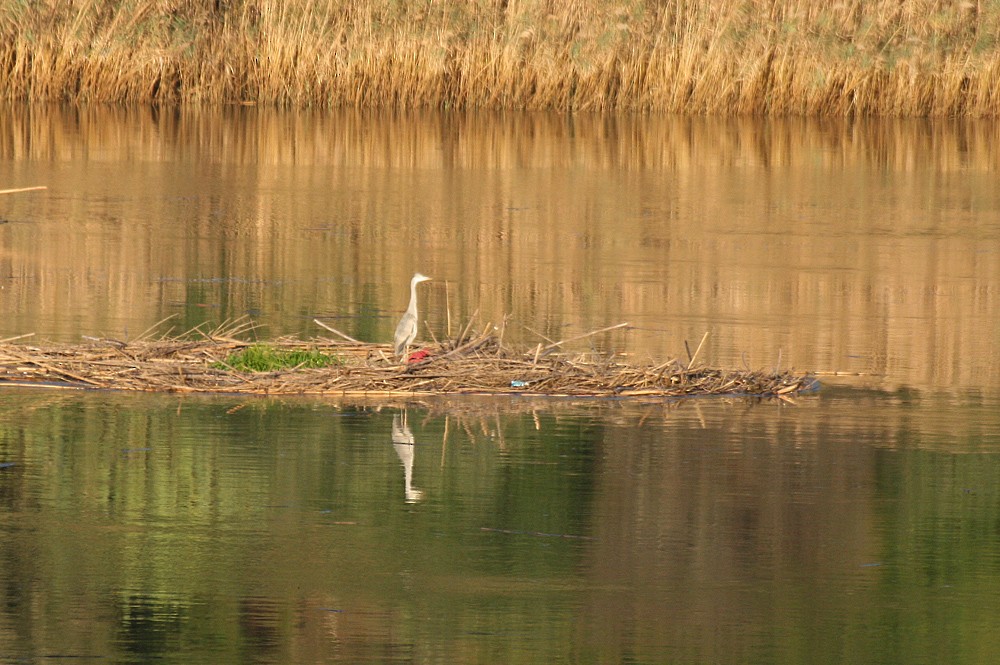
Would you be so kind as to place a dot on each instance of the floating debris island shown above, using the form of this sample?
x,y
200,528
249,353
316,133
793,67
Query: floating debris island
x,y
472,363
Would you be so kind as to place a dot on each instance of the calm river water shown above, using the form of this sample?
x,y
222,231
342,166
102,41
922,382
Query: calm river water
x,y
857,524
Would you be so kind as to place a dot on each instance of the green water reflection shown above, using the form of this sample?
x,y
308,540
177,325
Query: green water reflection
x,y
847,528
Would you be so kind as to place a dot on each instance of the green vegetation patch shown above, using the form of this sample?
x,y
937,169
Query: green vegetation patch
x,y
266,358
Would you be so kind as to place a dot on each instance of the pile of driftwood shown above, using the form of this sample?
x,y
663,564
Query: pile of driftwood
x,y
473,363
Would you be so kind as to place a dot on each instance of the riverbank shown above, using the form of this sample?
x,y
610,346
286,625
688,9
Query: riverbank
x,y
768,57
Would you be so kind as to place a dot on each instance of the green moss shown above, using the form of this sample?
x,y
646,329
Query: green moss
x,y
266,358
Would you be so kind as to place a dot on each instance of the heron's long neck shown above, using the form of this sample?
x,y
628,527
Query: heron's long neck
x,y
412,309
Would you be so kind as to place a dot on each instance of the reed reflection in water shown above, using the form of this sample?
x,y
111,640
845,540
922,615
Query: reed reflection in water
x,y
859,246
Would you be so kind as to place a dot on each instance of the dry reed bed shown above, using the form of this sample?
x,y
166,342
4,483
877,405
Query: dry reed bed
x,y
473,364
855,57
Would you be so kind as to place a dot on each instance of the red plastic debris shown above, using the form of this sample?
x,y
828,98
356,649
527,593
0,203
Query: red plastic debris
x,y
417,356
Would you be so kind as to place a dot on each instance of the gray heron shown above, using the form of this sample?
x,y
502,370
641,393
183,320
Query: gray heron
x,y
406,330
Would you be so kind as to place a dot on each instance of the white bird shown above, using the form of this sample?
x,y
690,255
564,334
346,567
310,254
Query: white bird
x,y
406,330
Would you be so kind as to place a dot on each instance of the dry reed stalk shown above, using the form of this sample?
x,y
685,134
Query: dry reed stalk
x,y
584,335
335,331
698,350
22,189
7,340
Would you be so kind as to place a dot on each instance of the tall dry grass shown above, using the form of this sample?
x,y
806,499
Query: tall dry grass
x,y
776,57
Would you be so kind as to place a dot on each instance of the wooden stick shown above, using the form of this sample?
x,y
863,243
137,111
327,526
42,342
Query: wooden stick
x,y
503,329
595,332
547,339
703,338
447,307
468,327
431,333
22,189
11,339
336,332
832,372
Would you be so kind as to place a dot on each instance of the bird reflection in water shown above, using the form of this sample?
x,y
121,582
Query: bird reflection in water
x,y
402,441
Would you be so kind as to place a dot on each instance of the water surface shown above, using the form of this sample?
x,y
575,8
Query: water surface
x,y
857,246
857,524
208,530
